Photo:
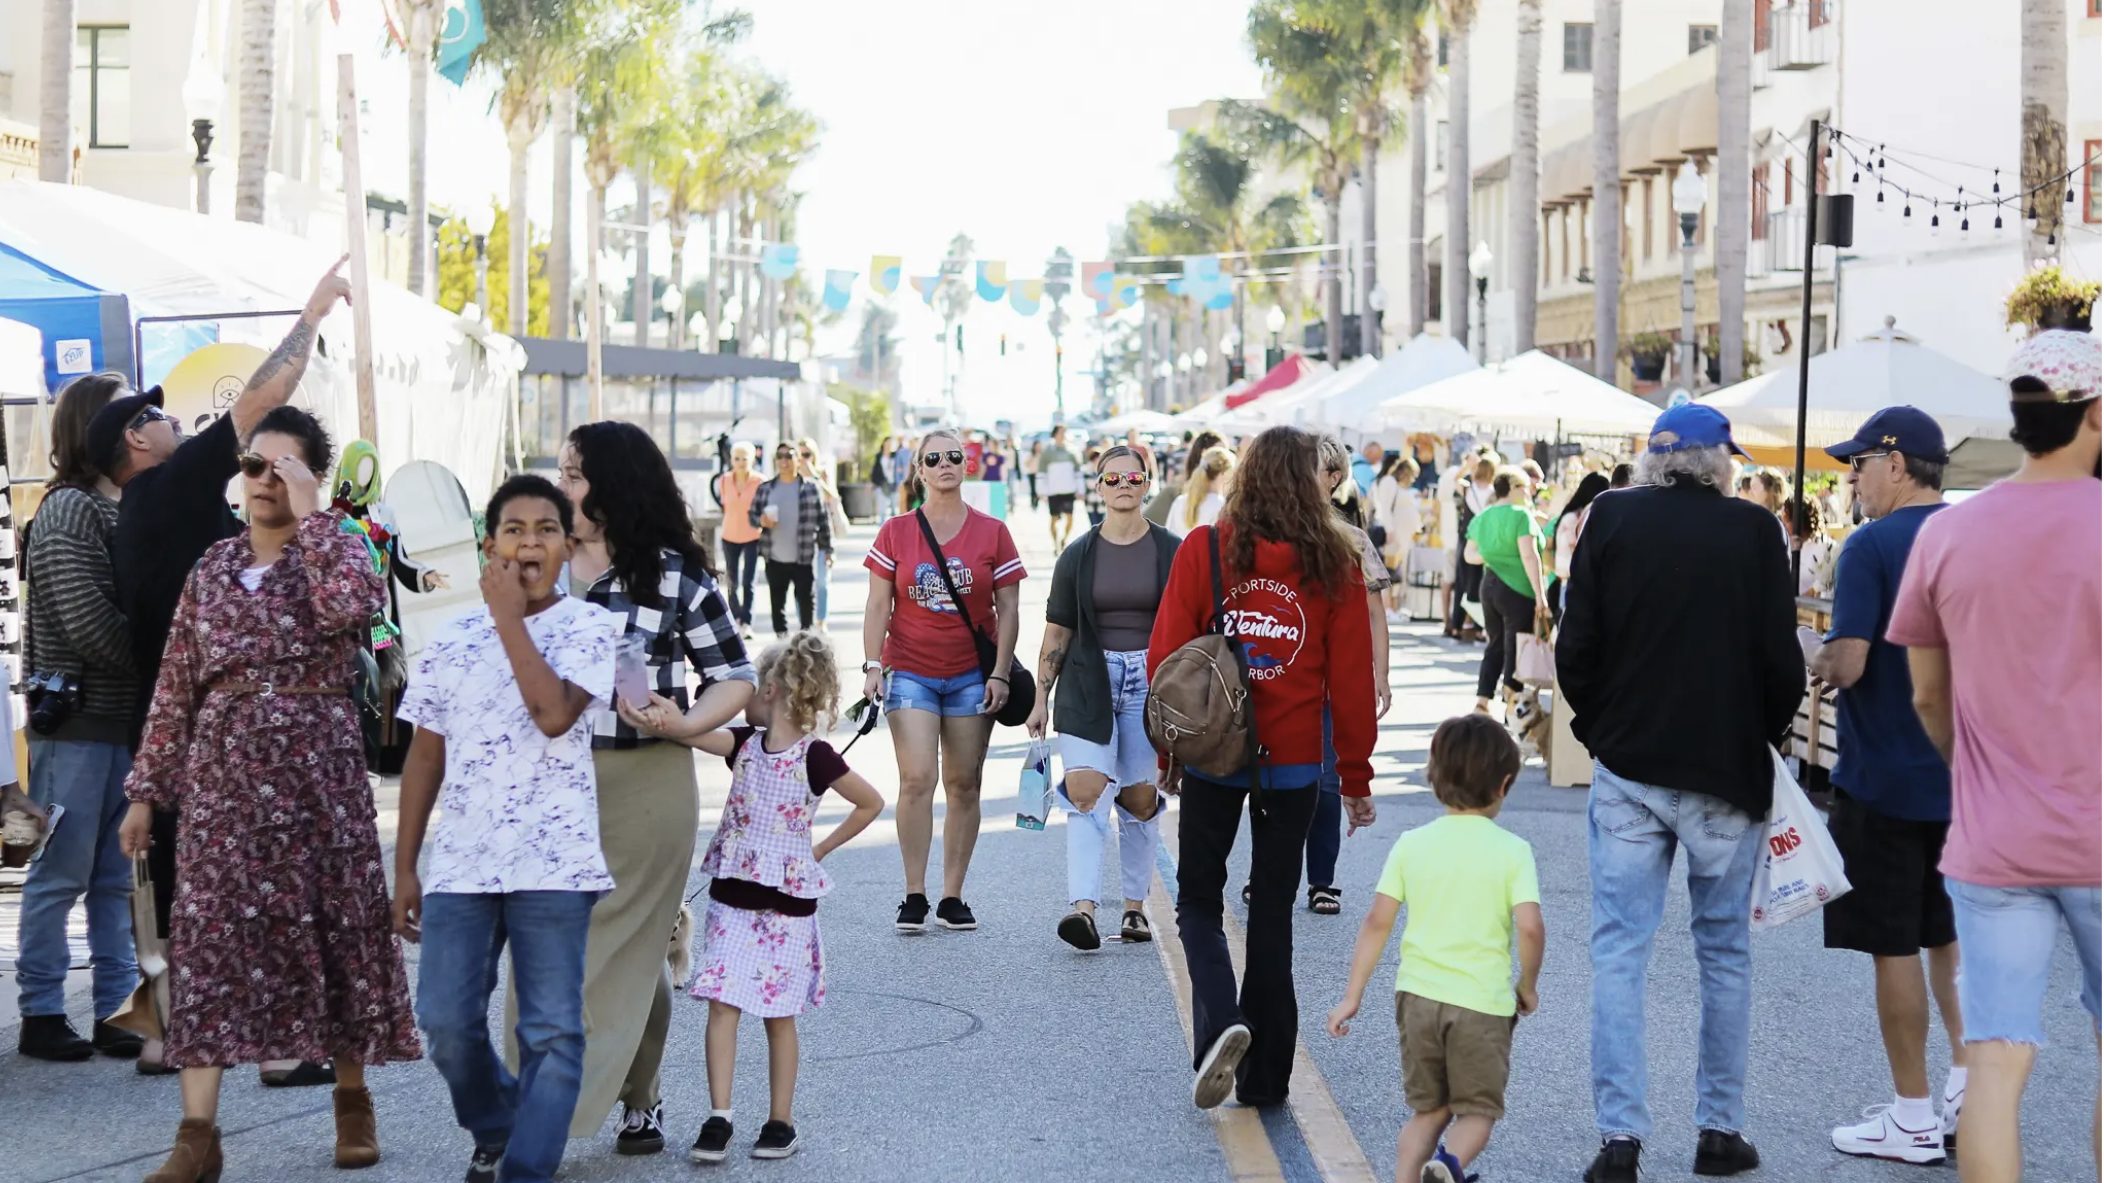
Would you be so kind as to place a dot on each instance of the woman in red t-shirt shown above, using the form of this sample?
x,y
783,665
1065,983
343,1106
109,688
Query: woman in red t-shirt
x,y
920,657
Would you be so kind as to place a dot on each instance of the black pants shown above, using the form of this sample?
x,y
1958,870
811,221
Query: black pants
x,y
1468,583
1212,813
780,578
1506,613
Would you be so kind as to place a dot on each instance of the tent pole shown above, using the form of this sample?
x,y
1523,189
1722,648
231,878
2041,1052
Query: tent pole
x,y
1804,336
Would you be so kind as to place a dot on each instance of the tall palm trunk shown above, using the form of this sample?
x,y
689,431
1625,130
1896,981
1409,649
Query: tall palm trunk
x,y
2043,88
422,34
520,134
595,300
1607,186
55,95
640,300
1333,283
259,72
1733,224
1420,288
563,117
1369,191
1458,184
675,325
1523,234
712,299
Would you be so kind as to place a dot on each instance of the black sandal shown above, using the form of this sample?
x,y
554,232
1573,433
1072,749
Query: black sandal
x,y
1136,928
1079,930
1245,895
1325,901
307,1075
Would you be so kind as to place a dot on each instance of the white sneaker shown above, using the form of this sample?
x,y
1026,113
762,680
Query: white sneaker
x,y
1951,1106
1216,1073
1883,1137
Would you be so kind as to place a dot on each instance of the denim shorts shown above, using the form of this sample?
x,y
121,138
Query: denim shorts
x,y
2007,937
1128,758
949,697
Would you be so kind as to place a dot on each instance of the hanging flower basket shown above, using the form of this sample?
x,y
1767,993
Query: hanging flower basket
x,y
2048,299
1647,355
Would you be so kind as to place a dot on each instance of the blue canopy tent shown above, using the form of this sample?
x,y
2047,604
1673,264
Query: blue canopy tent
x,y
85,330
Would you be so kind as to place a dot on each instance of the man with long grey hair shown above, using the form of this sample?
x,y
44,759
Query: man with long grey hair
x,y
1679,655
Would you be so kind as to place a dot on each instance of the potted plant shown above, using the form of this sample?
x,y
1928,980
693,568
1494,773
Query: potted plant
x,y
2049,299
1712,350
869,414
1647,355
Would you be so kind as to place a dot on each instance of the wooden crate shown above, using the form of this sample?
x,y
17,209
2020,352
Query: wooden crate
x,y
1815,735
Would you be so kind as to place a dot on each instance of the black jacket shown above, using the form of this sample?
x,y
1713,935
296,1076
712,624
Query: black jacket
x,y
1678,648
1081,704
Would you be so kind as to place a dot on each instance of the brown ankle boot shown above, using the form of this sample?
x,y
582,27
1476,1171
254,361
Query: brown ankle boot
x,y
195,1158
357,1130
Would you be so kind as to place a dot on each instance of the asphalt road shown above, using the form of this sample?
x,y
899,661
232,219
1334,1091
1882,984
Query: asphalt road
x,y
1002,1054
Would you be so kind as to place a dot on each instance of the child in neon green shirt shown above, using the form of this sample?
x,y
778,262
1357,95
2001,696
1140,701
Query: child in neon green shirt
x,y
1471,889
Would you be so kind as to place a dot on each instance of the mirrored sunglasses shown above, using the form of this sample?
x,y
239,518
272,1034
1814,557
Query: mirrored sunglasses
x,y
1130,479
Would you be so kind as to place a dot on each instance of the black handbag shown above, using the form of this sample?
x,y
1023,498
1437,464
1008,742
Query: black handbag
x,y
1022,688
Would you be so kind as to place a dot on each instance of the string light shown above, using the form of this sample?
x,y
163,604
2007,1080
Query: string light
x,y
1997,225
1998,182
1935,222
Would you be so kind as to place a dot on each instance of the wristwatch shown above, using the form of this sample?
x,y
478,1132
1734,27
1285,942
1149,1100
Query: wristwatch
x,y
871,667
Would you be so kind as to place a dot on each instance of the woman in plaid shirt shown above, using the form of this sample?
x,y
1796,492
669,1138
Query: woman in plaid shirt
x,y
636,554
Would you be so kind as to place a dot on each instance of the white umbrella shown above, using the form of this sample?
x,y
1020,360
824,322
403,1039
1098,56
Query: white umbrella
x,y
1529,393
1425,360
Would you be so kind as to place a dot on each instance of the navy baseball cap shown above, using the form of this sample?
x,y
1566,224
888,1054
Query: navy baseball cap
x,y
1692,425
1907,430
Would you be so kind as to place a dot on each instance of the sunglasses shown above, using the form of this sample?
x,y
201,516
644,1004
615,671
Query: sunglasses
x,y
779,457
1131,480
938,459
1855,462
150,414
253,465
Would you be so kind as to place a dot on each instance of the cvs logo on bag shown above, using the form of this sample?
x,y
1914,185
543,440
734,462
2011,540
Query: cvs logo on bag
x,y
1780,845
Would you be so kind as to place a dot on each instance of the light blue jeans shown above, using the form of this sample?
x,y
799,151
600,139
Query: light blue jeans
x,y
821,575
1128,759
2008,936
83,858
1631,833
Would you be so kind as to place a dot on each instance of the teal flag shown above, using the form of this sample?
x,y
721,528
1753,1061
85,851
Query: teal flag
x,y
460,34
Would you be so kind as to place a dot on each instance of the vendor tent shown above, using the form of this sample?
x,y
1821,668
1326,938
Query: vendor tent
x,y
1282,407
1286,373
1425,360
1532,394
1144,422
1201,416
1887,368
21,362
443,384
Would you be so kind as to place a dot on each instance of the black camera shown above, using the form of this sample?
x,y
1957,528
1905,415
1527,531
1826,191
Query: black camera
x,y
53,698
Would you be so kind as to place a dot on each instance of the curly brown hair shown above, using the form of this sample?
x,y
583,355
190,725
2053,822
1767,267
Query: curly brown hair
x,y
810,680
1277,496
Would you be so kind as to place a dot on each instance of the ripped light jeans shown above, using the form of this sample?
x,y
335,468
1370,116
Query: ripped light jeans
x,y
1128,759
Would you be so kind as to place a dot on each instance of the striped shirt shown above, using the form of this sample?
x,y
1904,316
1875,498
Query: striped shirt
x,y
75,624
695,629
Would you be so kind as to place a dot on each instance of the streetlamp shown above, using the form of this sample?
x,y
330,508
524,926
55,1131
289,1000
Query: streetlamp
x,y
1231,351
1166,372
671,302
1689,193
481,219
1377,303
202,97
1275,322
1479,261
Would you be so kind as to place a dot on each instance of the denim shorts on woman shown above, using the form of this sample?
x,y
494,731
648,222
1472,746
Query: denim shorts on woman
x,y
1128,759
2007,937
949,697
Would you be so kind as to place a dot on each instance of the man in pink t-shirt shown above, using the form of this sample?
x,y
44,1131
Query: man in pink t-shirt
x,y
2002,614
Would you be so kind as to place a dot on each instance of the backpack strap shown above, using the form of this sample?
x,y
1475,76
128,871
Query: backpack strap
x,y
1259,755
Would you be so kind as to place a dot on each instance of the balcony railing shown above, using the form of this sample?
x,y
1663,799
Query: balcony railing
x,y
1782,249
1800,35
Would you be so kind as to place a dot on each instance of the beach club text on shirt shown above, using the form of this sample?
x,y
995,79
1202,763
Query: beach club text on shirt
x,y
928,590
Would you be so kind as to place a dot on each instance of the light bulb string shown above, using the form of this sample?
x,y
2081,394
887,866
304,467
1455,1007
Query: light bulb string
x,y
1883,152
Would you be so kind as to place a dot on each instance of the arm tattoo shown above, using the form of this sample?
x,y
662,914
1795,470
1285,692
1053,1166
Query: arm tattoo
x,y
1048,669
292,351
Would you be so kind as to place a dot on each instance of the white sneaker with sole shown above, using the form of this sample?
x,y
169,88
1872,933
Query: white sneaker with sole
x,y
1216,1073
1951,1106
1883,1137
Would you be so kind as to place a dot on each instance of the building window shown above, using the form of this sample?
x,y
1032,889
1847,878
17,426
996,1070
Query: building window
x,y
1439,142
2096,7
1585,235
1760,200
1442,49
1650,217
1565,219
1546,273
1820,12
102,84
1760,26
1577,48
1701,37
2092,169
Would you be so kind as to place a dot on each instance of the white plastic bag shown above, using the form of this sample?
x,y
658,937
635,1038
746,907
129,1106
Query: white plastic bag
x,y
1800,871
1033,798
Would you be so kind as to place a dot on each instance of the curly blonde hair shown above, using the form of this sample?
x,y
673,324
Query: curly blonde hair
x,y
804,668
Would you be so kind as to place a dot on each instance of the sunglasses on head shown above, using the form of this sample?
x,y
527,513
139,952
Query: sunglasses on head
x,y
938,459
1131,480
253,465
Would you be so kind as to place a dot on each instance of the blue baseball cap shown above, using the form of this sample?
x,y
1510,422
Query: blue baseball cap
x,y
1692,425
1907,430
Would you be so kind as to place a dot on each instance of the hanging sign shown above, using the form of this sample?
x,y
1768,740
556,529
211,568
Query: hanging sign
x,y
839,286
884,274
926,285
778,260
993,280
1024,294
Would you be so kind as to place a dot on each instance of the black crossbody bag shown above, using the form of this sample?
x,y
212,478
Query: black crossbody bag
x,y
1022,688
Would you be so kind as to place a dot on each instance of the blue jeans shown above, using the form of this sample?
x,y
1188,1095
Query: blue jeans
x,y
2008,935
82,858
951,698
528,1115
1632,830
1128,759
821,575
741,560
1326,835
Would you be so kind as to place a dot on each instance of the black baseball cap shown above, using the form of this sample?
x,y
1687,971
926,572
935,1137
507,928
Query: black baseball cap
x,y
106,429
1906,430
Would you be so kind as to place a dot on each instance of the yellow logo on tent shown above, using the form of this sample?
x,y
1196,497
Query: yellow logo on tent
x,y
204,385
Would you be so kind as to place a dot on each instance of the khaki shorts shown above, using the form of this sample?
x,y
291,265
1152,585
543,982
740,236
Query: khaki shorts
x,y
1453,1057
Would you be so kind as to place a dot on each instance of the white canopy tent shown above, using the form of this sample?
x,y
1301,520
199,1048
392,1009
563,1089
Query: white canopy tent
x,y
1531,393
1144,422
1284,406
1887,368
1201,416
21,362
1425,360
444,386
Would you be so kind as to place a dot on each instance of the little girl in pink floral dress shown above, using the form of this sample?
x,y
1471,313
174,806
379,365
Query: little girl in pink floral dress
x,y
761,953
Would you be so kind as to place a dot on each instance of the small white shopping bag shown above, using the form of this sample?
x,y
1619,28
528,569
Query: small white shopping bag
x,y
1800,870
1033,798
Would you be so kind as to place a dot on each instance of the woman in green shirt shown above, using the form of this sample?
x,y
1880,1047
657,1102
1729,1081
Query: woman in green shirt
x,y
1506,539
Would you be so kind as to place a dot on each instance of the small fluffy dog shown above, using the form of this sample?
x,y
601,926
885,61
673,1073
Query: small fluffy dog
x,y
680,954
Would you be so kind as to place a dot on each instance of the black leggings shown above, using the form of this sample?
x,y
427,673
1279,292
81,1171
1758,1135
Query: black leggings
x,y
781,578
1506,613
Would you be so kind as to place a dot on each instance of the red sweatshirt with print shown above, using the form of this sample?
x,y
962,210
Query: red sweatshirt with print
x,y
1304,647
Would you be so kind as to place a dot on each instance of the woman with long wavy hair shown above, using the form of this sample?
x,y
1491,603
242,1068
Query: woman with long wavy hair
x,y
636,555
1295,602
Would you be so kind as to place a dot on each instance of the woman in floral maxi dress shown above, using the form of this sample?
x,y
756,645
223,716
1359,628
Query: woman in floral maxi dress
x,y
281,938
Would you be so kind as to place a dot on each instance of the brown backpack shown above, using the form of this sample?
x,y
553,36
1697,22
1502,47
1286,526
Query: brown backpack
x,y
1199,710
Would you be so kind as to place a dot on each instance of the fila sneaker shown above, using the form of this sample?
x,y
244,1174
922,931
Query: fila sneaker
x,y
1883,1137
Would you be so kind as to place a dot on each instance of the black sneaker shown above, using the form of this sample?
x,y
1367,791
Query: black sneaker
x,y
713,1143
1721,1153
1616,1162
642,1130
913,914
952,914
777,1140
482,1168
116,1042
52,1037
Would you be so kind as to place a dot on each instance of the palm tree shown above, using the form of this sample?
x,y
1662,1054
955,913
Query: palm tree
x,y
55,95
1607,186
1733,225
528,42
2043,62
1458,17
1219,210
258,86
1380,34
619,73
1418,74
1523,232
423,39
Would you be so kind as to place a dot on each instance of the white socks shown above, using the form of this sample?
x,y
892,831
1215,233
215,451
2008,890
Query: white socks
x,y
1954,1087
1913,1113
725,1114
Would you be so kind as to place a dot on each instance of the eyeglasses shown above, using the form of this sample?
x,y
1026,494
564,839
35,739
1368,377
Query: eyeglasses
x,y
780,457
1131,480
147,415
253,465
954,456
1855,462
804,455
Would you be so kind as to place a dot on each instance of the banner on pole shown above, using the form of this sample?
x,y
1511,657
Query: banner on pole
x,y
839,285
1096,280
778,260
926,285
1024,294
993,280
460,34
884,274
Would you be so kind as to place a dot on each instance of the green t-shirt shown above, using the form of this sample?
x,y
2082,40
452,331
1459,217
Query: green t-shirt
x,y
1460,877
1497,532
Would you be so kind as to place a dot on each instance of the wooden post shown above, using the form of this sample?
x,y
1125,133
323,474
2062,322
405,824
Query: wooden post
x,y
354,242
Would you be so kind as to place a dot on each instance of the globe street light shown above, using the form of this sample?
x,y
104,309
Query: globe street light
x,y
671,302
203,95
1275,321
481,219
1479,261
1689,194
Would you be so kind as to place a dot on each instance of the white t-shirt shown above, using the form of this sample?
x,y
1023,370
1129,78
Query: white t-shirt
x,y
519,809
1208,512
